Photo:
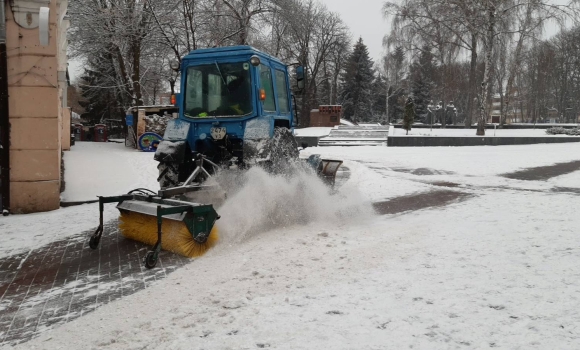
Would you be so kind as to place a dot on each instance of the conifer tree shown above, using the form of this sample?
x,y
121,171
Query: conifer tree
x,y
99,92
356,86
422,77
379,88
396,91
398,60
409,115
396,104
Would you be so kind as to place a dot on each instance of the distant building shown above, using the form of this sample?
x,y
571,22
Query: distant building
x,y
516,113
326,115
552,116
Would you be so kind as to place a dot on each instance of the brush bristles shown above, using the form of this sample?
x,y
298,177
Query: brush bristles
x,y
175,235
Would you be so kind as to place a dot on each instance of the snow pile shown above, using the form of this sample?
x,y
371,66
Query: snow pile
x,y
267,202
157,123
317,131
563,131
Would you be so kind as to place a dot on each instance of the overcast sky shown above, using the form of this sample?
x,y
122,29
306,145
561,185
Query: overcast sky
x,y
365,19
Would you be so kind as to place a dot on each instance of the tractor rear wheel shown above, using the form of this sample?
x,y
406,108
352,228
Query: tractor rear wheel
x,y
168,175
281,151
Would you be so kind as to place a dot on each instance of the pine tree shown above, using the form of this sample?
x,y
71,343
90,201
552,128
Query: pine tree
x,y
409,115
398,60
356,85
379,88
396,104
422,72
100,94
396,91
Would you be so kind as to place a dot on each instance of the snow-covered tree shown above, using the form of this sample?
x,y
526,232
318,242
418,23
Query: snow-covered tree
x,y
409,115
99,102
475,26
422,73
379,90
356,87
396,101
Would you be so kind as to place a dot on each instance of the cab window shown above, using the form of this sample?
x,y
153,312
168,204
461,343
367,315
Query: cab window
x,y
218,90
267,85
282,91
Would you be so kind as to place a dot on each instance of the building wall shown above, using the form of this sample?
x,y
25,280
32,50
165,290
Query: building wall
x,y
35,112
327,116
65,129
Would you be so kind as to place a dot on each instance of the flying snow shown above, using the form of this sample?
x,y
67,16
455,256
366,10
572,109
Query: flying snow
x,y
264,202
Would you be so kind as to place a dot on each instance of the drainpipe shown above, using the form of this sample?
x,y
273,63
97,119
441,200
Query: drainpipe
x,y
4,117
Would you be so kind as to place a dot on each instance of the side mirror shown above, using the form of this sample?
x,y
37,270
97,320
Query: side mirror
x,y
300,77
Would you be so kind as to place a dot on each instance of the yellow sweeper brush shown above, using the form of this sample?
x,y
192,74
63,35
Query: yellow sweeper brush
x,y
181,227
176,235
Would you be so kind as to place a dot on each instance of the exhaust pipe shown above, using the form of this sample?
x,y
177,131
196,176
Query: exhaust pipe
x,y
4,117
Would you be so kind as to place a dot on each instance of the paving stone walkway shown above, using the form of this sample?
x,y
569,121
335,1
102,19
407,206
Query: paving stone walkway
x,y
59,282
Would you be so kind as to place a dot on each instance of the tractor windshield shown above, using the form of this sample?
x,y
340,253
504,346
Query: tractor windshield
x,y
218,89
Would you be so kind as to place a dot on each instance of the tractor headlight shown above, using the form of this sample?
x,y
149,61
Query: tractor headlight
x,y
255,61
174,64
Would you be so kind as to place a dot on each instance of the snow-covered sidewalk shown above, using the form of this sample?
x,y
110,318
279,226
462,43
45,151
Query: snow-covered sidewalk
x,y
91,169
104,169
498,270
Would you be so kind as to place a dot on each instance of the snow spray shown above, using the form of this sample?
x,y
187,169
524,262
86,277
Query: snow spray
x,y
262,202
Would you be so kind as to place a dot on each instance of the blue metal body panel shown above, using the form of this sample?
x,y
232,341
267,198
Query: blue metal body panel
x,y
199,132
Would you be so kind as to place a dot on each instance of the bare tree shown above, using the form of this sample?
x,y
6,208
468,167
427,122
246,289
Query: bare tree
x,y
468,22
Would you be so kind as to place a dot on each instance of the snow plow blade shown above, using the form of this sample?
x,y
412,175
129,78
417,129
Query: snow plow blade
x,y
326,169
181,227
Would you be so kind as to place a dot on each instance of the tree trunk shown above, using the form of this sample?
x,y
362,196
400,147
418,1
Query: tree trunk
x,y
472,81
516,62
387,102
137,96
126,89
444,112
486,75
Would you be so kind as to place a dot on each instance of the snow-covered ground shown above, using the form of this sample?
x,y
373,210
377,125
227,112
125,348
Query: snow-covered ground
x,y
104,169
471,132
91,169
569,180
498,270
314,131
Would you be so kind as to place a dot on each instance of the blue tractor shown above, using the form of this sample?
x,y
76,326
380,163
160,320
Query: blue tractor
x,y
235,108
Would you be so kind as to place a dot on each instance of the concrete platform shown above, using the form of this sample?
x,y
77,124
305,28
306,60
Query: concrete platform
x,y
444,141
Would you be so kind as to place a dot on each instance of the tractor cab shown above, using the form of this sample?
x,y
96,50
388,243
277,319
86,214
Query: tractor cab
x,y
231,98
